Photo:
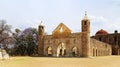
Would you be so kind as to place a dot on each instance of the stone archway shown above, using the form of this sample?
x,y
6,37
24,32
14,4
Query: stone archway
x,y
61,49
49,51
75,51
94,52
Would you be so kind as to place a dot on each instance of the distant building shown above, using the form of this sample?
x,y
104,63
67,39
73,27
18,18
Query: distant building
x,y
64,43
111,38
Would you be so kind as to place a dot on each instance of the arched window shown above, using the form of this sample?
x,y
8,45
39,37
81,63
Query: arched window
x,y
85,23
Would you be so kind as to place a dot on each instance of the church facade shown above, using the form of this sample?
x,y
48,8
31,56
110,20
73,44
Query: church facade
x,y
63,43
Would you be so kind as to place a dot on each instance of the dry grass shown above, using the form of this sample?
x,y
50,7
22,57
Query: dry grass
x,y
105,61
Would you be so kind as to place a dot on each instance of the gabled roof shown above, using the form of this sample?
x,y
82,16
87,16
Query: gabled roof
x,y
61,31
61,26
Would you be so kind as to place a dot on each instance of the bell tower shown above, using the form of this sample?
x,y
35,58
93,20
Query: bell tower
x,y
41,39
85,36
85,24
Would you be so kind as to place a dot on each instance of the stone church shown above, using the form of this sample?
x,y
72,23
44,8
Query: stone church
x,y
63,43
112,38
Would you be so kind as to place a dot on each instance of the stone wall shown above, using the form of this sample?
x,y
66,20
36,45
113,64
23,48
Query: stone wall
x,y
113,39
98,48
74,40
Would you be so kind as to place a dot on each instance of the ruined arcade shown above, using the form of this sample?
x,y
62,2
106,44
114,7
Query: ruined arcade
x,y
63,43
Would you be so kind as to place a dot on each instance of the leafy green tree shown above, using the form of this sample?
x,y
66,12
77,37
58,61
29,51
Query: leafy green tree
x,y
26,42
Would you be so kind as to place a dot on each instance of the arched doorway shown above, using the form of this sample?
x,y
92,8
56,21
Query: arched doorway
x,y
93,52
61,49
75,51
49,51
96,52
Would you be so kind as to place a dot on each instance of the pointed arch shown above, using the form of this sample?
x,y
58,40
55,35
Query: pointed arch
x,y
61,49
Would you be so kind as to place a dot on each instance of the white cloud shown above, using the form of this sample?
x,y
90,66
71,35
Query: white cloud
x,y
53,25
97,18
33,23
100,22
115,24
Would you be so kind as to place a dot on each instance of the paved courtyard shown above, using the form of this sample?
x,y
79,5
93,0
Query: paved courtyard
x,y
104,61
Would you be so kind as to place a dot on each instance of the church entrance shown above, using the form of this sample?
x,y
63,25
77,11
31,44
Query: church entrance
x,y
61,49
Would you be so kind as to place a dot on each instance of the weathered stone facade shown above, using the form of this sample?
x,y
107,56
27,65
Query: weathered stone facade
x,y
64,43
98,48
74,40
111,38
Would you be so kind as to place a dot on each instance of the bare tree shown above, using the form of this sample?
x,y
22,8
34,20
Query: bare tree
x,y
5,31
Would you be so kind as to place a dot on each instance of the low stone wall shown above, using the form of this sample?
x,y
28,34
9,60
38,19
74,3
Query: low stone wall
x,y
98,48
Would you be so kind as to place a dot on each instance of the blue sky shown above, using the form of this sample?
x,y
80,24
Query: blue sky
x,y
103,14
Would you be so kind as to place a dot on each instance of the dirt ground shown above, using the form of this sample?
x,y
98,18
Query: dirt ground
x,y
104,61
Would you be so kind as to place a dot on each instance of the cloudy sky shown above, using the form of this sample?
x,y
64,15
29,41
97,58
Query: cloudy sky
x,y
103,14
